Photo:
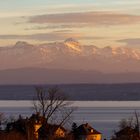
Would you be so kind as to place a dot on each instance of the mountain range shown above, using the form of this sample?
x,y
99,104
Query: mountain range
x,y
70,55
27,76
69,62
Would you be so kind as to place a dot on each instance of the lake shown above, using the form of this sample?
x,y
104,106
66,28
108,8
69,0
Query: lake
x,y
102,115
80,92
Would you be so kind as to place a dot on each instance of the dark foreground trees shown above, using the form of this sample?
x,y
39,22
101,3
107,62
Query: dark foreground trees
x,y
53,105
129,129
52,111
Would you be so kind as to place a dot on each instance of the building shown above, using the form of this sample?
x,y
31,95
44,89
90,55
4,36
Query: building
x,y
86,132
127,133
51,131
37,125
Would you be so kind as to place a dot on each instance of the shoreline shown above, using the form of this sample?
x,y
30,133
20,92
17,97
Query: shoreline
x,y
28,103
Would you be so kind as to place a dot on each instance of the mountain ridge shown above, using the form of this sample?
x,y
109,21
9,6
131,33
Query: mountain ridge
x,y
70,54
28,76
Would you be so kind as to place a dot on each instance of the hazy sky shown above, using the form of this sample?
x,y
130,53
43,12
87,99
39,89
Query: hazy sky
x,y
99,22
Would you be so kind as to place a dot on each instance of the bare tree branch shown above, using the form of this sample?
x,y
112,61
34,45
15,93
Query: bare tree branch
x,y
51,102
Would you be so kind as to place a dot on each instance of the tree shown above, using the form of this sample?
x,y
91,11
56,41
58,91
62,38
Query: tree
x,y
129,129
74,131
1,119
74,127
126,123
137,124
132,122
52,102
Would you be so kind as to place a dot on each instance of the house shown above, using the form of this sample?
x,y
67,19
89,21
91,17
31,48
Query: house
x,y
41,130
33,128
36,121
86,132
126,134
37,125
51,131
125,131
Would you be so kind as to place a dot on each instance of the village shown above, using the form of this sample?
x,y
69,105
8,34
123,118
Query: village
x,y
37,128
43,124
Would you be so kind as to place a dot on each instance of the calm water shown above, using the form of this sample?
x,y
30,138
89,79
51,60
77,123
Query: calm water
x,y
102,115
119,92
101,107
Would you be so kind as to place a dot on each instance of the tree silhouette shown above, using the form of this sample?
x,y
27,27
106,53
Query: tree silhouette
x,y
52,102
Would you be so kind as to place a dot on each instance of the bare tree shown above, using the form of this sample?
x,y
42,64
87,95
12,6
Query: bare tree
x,y
51,102
126,123
137,124
132,122
2,117
129,129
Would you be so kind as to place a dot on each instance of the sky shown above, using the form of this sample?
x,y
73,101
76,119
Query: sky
x,y
98,22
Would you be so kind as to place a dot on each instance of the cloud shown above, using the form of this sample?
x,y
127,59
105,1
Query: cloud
x,y
94,18
63,31
131,42
52,36
57,26
41,37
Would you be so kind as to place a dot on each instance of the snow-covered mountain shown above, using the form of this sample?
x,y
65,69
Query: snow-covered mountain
x,y
70,54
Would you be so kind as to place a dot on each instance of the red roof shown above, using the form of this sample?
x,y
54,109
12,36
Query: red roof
x,y
86,129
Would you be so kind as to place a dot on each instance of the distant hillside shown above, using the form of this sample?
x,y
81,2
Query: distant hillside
x,y
58,76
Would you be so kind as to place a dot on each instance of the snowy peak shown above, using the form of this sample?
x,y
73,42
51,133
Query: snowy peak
x,y
71,40
22,44
73,44
70,55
